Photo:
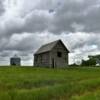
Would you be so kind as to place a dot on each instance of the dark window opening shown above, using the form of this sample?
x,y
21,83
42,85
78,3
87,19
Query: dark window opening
x,y
59,54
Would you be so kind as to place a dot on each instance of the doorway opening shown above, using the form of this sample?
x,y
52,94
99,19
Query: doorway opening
x,y
53,63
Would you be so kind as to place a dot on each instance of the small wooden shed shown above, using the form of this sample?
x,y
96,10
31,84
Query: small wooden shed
x,y
52,55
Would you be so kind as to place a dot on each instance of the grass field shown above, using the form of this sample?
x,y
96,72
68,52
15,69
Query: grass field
x,y
49,84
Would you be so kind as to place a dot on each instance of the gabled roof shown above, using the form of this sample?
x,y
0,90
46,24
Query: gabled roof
x,y
49,47
15,56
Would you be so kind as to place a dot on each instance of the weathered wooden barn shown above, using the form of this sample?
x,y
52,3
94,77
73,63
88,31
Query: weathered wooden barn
x,y
52,55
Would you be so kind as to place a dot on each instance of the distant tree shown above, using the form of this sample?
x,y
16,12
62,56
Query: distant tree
x,y
73,65
90,62
97,58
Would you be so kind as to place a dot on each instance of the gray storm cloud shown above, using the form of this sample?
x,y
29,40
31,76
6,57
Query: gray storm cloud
x,y
27,24
68,16
1,7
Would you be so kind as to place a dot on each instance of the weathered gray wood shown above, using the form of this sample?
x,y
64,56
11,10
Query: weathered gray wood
x,y
51,59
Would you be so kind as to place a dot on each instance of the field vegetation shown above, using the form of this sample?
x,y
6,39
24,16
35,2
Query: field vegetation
x,y
27,83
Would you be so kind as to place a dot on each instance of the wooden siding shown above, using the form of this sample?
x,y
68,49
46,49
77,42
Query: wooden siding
x,y
59,61
42,60
51,59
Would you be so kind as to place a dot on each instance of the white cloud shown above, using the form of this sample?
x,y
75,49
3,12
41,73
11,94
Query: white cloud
x,y
27,24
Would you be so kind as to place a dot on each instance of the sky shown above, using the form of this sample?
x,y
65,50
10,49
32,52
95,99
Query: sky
x,y
25,25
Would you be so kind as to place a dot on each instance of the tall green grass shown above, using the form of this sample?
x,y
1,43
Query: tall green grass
x,y
27,83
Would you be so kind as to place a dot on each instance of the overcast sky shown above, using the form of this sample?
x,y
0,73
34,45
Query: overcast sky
x,y
27,24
